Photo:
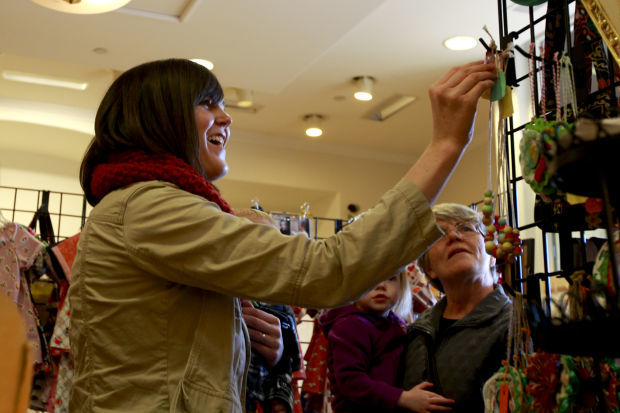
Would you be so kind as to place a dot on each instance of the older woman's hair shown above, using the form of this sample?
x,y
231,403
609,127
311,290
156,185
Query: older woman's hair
x,y
457,214
150,107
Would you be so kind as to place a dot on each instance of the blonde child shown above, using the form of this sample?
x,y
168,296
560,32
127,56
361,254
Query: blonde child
x,y
365,343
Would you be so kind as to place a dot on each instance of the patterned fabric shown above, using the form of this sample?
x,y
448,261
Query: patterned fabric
x,y
60,347
63,385
18,250
263,385
316,358
257,373
589,54
138,166
65,253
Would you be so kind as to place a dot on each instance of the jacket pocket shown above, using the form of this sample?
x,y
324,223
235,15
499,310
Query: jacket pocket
x,y
192,398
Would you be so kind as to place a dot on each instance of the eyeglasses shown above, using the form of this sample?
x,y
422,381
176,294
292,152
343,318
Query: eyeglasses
x,y
465,230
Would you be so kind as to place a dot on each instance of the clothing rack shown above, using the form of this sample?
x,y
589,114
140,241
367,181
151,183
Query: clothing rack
x,y
67,210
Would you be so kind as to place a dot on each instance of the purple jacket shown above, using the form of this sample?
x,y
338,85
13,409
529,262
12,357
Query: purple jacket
x,y
363,358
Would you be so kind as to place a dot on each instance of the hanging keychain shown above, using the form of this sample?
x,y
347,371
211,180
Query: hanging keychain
x,y
501,241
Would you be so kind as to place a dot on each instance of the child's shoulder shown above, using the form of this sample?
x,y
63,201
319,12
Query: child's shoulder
x,y
358,320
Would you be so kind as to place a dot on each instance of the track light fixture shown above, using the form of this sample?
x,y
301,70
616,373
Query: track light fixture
x,y
363,87
313,121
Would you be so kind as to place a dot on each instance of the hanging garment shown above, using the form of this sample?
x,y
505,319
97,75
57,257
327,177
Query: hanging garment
x,y
18,250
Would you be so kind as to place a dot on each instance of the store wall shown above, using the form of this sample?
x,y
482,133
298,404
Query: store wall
x,y
282,176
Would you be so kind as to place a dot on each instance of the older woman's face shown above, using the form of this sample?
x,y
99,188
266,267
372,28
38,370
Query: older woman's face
x,y
459,254
213,126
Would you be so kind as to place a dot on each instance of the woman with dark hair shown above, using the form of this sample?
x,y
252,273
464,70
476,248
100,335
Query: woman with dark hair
x,y
155,322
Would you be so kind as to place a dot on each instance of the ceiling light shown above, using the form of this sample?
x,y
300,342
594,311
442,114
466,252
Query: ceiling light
x,y
43,80
363,87
460,43
82,6
314,125
206,63
244,98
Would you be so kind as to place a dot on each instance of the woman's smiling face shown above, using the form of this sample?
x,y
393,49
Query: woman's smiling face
x,y
213,125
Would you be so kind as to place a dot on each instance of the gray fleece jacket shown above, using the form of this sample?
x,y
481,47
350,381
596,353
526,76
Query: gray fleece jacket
x,y
467,353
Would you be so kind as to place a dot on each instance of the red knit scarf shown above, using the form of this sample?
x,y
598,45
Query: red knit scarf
x,y
137,166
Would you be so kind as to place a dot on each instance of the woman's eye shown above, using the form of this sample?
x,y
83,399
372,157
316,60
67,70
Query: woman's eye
x,y
466,228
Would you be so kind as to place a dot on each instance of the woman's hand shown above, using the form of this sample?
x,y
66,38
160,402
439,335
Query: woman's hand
x,y
418,399
265,333
454,98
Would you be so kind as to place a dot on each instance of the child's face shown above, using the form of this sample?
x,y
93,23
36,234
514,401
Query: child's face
x,y
382,298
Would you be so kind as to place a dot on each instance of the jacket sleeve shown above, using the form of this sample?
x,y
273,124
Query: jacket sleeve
x,y
188,240
278,387
351,360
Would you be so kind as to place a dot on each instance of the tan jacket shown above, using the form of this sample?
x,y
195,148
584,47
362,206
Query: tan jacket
x,y
155,326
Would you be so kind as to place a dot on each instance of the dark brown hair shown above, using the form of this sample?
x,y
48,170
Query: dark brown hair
x,y
151,107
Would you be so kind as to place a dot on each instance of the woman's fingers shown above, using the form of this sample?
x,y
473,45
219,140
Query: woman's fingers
x,y
457,74
265,334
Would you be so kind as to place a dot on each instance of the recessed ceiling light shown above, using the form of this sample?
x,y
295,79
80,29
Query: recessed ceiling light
x,y
460,43
82,6
363,87
43,80
206,63
245,98
314,129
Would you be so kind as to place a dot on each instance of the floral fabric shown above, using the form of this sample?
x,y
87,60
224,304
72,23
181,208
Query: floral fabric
x,y
18,250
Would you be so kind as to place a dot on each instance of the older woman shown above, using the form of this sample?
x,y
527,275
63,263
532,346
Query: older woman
x,y
460,342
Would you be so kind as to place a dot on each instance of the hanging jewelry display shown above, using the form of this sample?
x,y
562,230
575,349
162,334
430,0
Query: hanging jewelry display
x,y
501,240
541,137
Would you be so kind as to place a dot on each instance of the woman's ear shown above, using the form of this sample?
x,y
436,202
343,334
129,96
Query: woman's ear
x,y
429,272
492,262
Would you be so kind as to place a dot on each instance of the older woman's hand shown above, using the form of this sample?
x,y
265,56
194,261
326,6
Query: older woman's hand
x,y
265,333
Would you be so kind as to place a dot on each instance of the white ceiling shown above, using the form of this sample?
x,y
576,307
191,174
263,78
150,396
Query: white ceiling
x,y
297,56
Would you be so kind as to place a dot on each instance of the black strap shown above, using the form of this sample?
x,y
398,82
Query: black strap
x,y
42,216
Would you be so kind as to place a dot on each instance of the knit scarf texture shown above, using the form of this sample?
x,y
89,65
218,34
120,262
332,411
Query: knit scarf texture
x,y
138,166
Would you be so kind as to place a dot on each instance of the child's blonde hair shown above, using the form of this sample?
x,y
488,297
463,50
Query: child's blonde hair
x,y
404,305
